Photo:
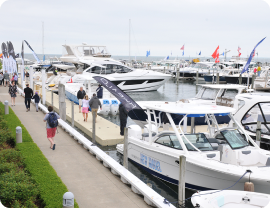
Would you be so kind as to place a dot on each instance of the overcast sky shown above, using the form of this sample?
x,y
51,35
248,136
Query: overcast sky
x,y
161,26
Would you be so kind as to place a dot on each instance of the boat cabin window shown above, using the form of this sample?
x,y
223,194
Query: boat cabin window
x,y
259,112
123,69
241,103
207,94
95,70
234,138
198,140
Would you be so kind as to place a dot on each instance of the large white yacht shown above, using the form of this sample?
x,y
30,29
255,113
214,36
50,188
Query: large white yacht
x,y
126,78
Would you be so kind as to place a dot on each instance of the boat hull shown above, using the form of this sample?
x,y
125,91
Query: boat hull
x,y
235,80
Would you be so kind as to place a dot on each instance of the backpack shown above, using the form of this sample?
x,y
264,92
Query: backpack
x,y
52,120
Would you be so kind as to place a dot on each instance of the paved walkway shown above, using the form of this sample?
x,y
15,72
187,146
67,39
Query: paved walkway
x,y
93,185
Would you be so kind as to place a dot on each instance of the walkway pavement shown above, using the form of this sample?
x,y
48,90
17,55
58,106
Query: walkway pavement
x,y
93,185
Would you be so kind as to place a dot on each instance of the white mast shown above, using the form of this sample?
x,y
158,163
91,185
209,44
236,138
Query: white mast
x,y
42,39
129,41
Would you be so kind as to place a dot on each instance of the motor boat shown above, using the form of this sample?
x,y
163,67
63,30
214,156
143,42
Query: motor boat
x,y
210,94
253,107
230,199
215,157
109,103
124,77
84,51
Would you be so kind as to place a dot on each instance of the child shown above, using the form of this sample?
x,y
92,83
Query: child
x,y
37,99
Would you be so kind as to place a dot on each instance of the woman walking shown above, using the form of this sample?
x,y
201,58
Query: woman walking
x,y
13,91
85,107
37,99
1,78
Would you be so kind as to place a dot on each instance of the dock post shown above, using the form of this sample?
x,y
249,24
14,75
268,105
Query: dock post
x,y
18,134
31,77
252,81
94,128
217,78
125,153
177,74
192,126
72,114
197,77
52,98
181,182
240,79
43,87
62,101
6,107
258,133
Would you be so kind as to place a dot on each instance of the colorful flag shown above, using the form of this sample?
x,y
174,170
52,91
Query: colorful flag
x,y
217,60
239,54
33,52
183,53
216,53
200,53
222,54
250,57
183,47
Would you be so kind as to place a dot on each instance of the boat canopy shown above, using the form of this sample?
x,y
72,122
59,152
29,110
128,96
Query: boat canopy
x,y
189,109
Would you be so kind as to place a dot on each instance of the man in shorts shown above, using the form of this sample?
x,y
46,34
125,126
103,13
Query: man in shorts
x,y
50,131
80,95
6,78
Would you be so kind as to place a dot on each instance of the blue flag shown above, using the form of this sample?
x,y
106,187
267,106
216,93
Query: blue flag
x,y
44,58
200,53
222,54
167,57
147,54
183,53
250,57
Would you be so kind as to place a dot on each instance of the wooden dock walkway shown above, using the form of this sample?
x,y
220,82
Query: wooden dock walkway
x,y
93,185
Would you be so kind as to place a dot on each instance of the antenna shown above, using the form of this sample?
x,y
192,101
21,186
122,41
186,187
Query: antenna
x,y
129,41
43,38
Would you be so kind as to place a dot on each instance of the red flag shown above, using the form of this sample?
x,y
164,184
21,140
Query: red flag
x,y
216,53
217,60
183,47
239,54
238,49
253,54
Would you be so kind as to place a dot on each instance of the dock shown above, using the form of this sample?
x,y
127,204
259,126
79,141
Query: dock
x,y
95,179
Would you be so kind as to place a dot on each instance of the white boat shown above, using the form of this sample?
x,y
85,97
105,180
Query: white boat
x,y
127,79
230,199
253,107
214,160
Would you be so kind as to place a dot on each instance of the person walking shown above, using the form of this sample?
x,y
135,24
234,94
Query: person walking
x,y
37,99
6,78
80,95
28,92
259,70
123,114
52,122
1,78
15,78
13,92
99,91
85,107
94,103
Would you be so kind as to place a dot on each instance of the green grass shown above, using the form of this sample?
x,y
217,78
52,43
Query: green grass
x,y
51,187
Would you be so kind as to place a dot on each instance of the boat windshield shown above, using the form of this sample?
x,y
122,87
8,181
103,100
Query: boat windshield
x,y
234,138
198,140
207,93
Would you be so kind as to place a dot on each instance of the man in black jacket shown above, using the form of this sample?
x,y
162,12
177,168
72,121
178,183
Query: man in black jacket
x,y
123,114
80,95
28,92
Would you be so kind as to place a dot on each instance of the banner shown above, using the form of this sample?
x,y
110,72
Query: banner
x,y
34,54
10,70
250,57
22,66
5,57
127,101
12,58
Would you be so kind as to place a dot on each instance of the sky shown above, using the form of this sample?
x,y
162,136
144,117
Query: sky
x,y
162,27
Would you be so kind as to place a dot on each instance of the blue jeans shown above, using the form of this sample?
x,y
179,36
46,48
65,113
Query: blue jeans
x,y
259,73
27,102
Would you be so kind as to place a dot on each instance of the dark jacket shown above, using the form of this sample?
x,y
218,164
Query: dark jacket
x,y
28,92
81,94
94,103
36,97
165,118
99,92
123,113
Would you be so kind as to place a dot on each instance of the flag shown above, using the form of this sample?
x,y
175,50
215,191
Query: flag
x,y
5,57
22,66
1,55
34,54
200,53
217,60
238,49
17,55
183,53
127,101
239,54
147,54
222,54
216,53
250,57
44,58
12,57
183,47
167,57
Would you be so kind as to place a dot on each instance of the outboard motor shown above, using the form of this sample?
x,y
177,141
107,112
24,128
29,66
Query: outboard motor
x,y
105,107
114,107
